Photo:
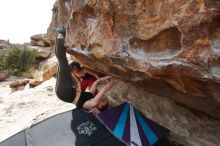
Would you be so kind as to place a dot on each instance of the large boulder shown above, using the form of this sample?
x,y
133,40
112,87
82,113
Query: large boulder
x,y
169,48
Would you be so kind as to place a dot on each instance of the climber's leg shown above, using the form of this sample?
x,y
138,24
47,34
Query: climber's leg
x,y
64,89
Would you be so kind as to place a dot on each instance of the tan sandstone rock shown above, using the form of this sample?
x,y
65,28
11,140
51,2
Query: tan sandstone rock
x,y
20,82
3,76
40,40
169,48
42,52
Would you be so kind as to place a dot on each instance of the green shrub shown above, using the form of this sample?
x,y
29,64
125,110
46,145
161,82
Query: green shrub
x,y
44,66
1,62
18,59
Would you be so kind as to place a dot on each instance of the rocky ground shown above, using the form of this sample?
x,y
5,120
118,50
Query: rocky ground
x,y
23,108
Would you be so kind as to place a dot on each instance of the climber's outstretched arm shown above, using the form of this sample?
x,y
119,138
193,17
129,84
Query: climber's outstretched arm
x,y
93,102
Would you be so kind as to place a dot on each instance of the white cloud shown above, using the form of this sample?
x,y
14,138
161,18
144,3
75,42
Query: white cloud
x,y
20,19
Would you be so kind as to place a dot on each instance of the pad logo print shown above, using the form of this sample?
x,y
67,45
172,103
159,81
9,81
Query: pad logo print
x,y
86,128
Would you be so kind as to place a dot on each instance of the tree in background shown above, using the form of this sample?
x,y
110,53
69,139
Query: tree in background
x,y
17,59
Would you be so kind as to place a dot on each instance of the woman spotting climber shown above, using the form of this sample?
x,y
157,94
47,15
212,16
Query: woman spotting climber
x,y
65,88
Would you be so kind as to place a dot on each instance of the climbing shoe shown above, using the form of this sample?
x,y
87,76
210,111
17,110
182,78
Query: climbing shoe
x,y
60,30
59,47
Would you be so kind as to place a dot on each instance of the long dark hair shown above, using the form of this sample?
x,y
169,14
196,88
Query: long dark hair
x,y
75,66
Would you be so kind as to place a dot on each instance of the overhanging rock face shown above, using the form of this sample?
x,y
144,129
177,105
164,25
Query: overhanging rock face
x,y
171,48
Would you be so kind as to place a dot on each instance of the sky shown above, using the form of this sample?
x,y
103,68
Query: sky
x,y
20,19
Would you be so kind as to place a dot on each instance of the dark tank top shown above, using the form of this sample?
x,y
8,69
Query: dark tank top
x,y
85,96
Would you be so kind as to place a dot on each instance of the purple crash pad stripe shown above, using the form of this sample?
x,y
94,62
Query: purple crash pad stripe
x,y
120,126
110,117
126,136
144,139
158,130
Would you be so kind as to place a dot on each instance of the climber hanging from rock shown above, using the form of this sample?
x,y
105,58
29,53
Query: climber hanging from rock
x,y
85,77
66,89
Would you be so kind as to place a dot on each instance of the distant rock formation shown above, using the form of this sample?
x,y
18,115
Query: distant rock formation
x,y
3,75
40,40
4,44
41,44
4,47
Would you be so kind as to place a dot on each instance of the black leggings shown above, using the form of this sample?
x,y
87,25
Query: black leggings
x,y
64,89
